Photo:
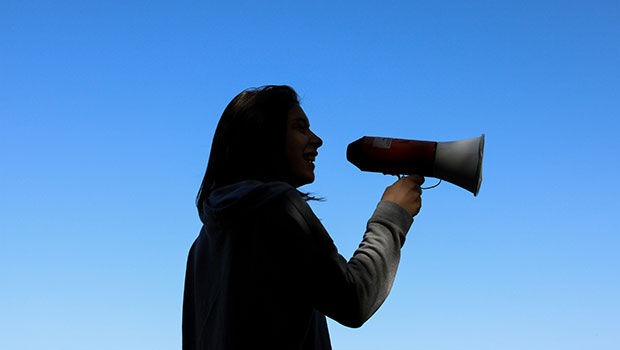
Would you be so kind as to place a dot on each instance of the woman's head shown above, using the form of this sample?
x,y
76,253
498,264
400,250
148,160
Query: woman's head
x,y
262,135
300,149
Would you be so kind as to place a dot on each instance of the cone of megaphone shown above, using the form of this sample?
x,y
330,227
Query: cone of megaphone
x,y
458,162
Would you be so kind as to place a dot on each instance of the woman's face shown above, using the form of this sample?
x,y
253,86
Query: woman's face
x,y
301,148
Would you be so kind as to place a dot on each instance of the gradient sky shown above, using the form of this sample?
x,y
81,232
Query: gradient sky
x,y
107,111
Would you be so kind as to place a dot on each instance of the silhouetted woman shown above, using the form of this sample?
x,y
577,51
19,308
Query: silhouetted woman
x,y
263,272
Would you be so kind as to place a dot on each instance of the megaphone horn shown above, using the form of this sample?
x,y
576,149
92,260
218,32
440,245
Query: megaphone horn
x,y
458,162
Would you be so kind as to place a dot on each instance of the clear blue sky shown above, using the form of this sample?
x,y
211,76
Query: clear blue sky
x,y
107,111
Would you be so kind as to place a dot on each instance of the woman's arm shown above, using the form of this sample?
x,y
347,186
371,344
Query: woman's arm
x,y
348,292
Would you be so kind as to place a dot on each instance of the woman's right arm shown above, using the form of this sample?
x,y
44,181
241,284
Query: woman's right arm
x,y
349,292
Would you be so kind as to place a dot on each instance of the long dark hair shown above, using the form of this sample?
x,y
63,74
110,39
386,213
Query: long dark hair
x,y
249,139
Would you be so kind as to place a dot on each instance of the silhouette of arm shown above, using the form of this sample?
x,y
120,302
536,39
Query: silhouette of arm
x,y
349,292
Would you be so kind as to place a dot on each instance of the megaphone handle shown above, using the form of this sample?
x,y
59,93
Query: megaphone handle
x,y
424,188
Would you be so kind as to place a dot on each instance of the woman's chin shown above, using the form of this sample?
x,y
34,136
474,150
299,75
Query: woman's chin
x,y
302,180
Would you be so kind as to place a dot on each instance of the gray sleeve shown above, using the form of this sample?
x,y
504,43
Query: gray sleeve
x,y
375,261
350,292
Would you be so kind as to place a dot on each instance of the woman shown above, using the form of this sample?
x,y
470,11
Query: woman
x,y
263,272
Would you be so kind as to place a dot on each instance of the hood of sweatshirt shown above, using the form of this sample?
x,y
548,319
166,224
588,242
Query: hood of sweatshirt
x,y
240,198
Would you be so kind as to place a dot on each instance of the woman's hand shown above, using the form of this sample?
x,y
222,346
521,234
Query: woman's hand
x,y
406,193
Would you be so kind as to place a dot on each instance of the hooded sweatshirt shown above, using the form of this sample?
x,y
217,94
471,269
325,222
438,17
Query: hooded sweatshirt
x,y
263,272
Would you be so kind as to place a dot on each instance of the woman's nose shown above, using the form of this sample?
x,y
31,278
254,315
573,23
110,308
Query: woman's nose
x,y
315,140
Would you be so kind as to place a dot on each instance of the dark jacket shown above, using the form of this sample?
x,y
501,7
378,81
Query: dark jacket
x,y
263,272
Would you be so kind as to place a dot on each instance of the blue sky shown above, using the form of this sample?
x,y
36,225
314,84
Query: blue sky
x,y
107,111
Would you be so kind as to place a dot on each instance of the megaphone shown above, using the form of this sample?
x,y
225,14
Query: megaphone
x,y
458,162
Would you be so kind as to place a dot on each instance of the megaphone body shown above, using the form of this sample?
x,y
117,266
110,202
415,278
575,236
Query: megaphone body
x,y
458,162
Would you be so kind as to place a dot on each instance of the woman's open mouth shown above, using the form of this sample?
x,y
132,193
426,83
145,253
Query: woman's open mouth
x,y
310,157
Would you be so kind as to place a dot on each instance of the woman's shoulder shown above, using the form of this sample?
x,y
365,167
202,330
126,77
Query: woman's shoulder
x,y
290,205
283,194
290,213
